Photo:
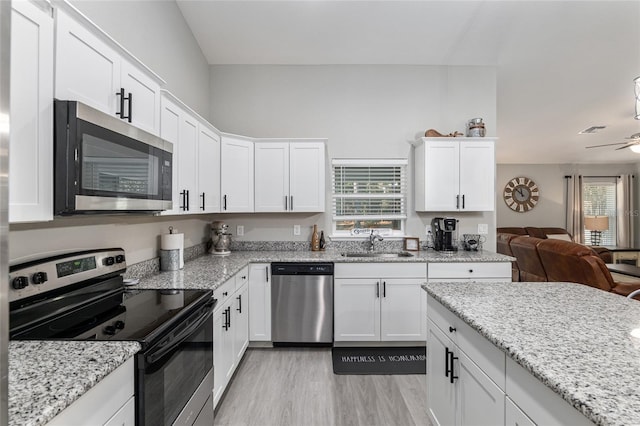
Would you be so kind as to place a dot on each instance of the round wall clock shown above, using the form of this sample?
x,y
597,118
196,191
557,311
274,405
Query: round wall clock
x,y
521,194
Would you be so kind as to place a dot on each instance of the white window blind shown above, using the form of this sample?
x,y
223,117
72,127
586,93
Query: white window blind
x,y
369,194
599,199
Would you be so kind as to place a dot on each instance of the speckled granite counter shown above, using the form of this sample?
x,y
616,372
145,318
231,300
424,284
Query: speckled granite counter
x,y
575,339
46,377
210,271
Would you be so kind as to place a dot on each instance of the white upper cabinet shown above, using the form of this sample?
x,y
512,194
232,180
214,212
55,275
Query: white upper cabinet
x,y
236,174
289,176
31,139
92,68
196,158
455,174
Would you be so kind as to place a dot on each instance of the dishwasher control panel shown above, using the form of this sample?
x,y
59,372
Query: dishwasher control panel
x,y
299,268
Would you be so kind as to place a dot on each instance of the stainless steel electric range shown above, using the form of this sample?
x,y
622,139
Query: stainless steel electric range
x,y
82,296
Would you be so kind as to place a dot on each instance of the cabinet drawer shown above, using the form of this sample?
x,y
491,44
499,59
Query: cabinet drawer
x,y
469,270
242,277
381,270
485,354
225,291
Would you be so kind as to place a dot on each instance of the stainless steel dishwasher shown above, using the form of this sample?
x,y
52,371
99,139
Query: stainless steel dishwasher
x,y
301,303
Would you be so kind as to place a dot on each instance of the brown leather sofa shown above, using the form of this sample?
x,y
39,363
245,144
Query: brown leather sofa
x,y
525,251
572,262
503,243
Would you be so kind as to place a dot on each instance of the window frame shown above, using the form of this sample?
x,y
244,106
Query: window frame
x,y
610,211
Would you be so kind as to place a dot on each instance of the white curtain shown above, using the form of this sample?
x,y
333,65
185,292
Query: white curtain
x,y
625,211
574,218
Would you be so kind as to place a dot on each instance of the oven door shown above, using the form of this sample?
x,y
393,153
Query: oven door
x,y
176,372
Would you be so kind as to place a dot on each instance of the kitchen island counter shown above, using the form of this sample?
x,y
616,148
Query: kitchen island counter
x,y
579,341
211,271
45,377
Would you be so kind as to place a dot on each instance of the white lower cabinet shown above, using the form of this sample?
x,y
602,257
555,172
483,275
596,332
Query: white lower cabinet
x,y
472,382
260,302
379,302
230,330
110,402
469,271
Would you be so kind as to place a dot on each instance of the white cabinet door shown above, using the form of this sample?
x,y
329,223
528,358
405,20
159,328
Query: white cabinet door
x,y
31,140
260,302
442,175
223,360
306,177
208,171
272,177
514,416
403,308
480,401
188,165
144,105
87,69
441,394
356,309
236,175
477,176
240,323
126,416
170,116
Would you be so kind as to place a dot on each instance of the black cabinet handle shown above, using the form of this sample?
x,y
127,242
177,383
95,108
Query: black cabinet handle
x,y
187,200
471,271
202,196
239,309
224,324
451,329
183,207
378,289
452,377
384,289
122,99
463,201
130,116
446,362
457,201
229,318
224,202
291,203
266,272
225,294
286,207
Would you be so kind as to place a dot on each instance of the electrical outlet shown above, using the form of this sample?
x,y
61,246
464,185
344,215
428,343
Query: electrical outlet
x,y
239,230
296,229
483,228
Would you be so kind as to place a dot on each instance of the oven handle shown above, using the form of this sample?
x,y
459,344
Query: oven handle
x,y
154,356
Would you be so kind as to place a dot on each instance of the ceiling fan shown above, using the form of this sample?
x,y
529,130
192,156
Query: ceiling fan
x,y
634,143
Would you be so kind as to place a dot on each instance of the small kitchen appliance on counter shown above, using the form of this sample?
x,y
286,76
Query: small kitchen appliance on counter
x,y
220,239
81,296
444,231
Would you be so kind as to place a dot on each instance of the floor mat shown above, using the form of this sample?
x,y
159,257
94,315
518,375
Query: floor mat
x,y
375,360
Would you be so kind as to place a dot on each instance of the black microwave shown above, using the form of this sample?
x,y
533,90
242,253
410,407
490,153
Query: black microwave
x,y
105,165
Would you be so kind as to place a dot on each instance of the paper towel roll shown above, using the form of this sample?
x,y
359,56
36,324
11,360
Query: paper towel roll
x,y
173,242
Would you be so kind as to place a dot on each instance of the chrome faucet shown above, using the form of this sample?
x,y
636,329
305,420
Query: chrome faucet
x,y
372,239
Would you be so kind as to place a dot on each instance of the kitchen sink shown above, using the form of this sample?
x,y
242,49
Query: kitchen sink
x,y
378,254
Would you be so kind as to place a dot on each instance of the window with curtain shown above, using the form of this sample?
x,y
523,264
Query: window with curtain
x,y
599,199
369,195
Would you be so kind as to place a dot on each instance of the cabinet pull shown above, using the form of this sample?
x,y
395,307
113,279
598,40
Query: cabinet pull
x,y
452,377
471,271
446,362
229,326
384,289
378,289
187,200
451,329
130,98
457,201
122,99
224,202
224,324
286,206
239,309
463,201
291,202
225,294
266,273
202,201
183,207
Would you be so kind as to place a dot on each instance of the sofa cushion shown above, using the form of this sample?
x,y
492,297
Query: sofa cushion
x,y
511,230
535,232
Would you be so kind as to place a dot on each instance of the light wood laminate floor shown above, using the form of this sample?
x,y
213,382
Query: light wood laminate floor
x,y
297,387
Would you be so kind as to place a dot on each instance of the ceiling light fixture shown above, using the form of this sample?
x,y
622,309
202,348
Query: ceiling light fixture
x,y
637,83
635,148
592,129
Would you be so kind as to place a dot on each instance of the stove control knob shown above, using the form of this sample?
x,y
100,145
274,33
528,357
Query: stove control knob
x,y
119,325
39,278
108,261
120,258
19,283
109,330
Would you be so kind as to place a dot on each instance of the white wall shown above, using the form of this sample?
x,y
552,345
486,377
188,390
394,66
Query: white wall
x,y
157,34
550,210
365,111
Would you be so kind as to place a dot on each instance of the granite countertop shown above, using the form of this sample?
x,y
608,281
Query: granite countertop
x,y
210,271
581,342
45,377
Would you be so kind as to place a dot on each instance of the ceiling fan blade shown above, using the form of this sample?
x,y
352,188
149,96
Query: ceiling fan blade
x,y
627,145
611,144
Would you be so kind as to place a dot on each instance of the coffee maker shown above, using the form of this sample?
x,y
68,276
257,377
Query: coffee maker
x,y
220,238
444,233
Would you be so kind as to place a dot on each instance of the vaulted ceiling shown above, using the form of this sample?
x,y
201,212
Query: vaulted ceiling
x,y
562,66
